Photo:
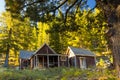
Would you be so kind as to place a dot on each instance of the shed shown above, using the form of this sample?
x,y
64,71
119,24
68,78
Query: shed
x,y
24,58
81,58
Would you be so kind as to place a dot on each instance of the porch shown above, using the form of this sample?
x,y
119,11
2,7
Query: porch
x,y
45,61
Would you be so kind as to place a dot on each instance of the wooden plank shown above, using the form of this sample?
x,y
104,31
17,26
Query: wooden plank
x,y
20,64
58,61
49,54
43,61
31,63
48,61
68,61
75,62
34,62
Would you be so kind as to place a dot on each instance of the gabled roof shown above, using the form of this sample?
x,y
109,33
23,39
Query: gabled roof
x,y
25,54
28,54
43,47
81,52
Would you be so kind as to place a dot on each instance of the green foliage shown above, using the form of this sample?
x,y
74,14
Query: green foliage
x,y
101,64
79,23
84,29
15,35
91,31
20,33
57,39
42,36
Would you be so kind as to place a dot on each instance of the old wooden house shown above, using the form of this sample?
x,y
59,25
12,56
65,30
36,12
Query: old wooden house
x,y
80,58
44,57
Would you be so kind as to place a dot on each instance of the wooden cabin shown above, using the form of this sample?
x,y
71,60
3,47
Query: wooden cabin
x,y
80,58
44,57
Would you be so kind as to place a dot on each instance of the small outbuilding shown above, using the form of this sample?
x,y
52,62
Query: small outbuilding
x,y
25,59
81,58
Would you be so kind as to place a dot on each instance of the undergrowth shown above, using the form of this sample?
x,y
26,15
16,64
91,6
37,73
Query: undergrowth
x,y
61,73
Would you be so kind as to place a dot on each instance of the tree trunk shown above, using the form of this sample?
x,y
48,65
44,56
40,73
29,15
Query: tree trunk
x,y
114,36
116,46
7,56
116,52
6,64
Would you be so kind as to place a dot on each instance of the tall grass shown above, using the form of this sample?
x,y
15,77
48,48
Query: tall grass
x,y
61,73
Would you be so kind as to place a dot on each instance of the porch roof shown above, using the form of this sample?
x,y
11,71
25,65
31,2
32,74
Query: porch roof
x,y
25,54
81,52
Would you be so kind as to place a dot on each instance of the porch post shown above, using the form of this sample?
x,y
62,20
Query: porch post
x,y
34,61
20,64
31,63
95,60
58,61
75,61
68,61
48,61
43,61
37,61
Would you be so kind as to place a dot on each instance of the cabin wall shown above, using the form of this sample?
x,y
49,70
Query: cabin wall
x,y
25,63
78,62
64,61
31,63
90,61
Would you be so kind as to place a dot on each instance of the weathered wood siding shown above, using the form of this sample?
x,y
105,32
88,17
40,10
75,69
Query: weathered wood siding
x,y
90,61
45,50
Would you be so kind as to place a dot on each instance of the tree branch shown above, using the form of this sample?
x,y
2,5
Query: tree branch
x,y
52,10
32,3
42,1
59,5
78,5
69,9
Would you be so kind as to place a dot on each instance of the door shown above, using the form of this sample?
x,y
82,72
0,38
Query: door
x,y
82,62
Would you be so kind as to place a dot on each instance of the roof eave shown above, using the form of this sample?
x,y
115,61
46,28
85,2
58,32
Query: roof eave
x,y
84,55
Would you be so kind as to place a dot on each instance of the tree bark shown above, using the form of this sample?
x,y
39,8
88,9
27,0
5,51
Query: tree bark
x,y
116,52
113,17
116,47
6,64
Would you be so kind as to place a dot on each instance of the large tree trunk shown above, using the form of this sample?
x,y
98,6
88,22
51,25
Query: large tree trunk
x,y
116,47
111,10
114,20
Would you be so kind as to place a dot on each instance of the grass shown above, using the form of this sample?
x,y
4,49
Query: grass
x,y
61,73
